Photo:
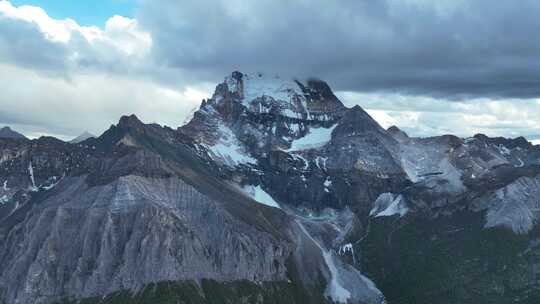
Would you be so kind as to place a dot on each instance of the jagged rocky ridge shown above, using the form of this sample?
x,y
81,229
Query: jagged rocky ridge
x,y
272,182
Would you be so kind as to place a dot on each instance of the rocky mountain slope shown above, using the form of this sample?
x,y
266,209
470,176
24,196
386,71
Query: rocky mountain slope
x,y
274,192
7,132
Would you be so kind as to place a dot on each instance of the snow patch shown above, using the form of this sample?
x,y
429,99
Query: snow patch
x,y
315,138
327,183
347,249
228,149
334,289
31,173
294,128
305,161
290,113
232,84
321,162
261,196
387,204
503,149
5,187
259,85
53,184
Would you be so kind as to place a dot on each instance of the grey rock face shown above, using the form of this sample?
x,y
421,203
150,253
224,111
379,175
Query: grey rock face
x,y
516,205
479,173
85,241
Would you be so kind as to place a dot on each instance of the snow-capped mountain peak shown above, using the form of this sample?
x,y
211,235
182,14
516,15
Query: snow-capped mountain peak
x,y
260,93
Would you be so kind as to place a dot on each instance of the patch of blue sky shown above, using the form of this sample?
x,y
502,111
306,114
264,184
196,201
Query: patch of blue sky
x,y
85,12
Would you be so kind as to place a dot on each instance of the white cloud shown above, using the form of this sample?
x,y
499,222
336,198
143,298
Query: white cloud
x,y
124,34
89,77
382,117
87,102
55,30
87,46
426,116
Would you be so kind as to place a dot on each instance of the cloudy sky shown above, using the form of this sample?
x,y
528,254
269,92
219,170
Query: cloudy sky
x,y
430,67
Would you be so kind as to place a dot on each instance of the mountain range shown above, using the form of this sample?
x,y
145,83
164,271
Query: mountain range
x,y
274,192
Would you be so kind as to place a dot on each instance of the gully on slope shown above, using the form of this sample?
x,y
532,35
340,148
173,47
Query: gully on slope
x,y
345,283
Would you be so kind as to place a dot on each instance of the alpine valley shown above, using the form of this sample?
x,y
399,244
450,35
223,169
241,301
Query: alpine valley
x,y
274,192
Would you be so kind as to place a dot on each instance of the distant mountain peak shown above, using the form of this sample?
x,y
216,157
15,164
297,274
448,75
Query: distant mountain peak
x,y
7,132
129,120
508,142
84,136
358,119
398,134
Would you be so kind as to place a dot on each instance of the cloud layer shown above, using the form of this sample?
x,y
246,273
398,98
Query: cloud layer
x,y
60,78
426,116
448,48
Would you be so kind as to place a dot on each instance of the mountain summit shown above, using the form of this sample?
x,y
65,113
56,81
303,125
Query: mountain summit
x,y
84,136
7,132
261,93
274,192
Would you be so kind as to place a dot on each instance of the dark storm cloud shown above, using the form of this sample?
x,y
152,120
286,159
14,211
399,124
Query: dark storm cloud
x,y
450,49
22,43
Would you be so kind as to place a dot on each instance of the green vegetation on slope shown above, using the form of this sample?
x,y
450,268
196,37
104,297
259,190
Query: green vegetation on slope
x,y
207,292
451,261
